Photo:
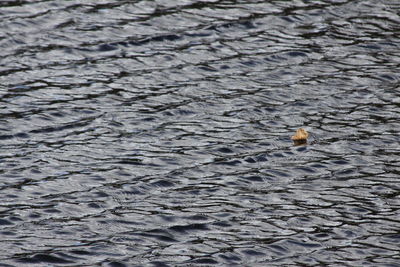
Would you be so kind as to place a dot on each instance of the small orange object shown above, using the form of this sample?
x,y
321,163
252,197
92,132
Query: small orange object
x,y
301,135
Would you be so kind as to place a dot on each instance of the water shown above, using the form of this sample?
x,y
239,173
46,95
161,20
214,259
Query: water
x,y
157,133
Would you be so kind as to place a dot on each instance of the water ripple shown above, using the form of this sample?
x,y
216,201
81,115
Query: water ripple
x,y
158,133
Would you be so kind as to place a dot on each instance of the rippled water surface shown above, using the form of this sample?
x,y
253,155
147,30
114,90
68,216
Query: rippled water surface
x,y
157,133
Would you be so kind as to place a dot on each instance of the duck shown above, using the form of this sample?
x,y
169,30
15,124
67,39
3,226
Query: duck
x,y
300,136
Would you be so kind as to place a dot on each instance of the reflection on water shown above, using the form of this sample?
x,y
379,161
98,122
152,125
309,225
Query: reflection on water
x,y
157,133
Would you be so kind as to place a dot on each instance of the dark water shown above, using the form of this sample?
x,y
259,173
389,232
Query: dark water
x,y
157,133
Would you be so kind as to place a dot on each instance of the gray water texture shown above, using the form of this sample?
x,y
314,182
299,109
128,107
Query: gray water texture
x,y
157,133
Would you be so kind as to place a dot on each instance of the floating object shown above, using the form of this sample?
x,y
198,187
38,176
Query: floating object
x,y
300,136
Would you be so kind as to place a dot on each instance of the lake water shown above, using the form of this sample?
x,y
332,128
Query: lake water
x,y
157,133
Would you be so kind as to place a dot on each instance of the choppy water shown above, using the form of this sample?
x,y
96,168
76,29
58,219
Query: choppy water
x,y
157,133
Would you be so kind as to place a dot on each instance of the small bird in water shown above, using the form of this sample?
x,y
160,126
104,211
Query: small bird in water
x,y
300,136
